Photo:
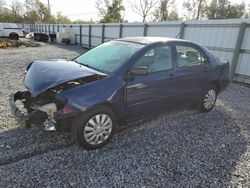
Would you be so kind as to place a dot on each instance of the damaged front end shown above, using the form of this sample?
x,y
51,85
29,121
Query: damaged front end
x,y
43,102
43,109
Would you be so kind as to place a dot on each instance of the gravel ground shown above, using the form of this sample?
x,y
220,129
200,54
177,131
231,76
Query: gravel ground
x,y
183,148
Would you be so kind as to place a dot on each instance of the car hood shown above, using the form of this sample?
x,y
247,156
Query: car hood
x,y
43,75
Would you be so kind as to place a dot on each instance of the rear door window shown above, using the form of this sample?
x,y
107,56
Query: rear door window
x,y
188,56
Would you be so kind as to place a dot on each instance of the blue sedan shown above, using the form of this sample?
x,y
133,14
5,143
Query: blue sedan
x,y
119,81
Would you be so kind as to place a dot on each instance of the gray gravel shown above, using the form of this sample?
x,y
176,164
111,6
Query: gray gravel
x,y
183,148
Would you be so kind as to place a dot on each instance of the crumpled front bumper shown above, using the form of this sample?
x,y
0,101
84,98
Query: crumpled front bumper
x,y
28,118
14,109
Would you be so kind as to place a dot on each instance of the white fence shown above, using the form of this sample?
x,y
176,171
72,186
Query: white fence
x,y
228,39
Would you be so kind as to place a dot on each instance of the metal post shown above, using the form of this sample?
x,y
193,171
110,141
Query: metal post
x,y
89,36
182,29
120,31
145,29
80,35
58,29
103,33
237,48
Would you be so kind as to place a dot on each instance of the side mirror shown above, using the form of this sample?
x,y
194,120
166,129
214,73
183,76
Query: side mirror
x,y
139,71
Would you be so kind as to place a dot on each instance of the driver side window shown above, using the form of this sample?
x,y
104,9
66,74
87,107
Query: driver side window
x,y
156,59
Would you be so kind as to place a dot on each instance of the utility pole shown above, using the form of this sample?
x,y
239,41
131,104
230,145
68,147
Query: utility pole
x,y
49,7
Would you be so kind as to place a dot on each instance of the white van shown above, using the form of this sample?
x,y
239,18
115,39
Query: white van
x,y
10,30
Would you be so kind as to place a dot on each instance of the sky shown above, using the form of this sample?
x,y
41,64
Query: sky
x,y
86,10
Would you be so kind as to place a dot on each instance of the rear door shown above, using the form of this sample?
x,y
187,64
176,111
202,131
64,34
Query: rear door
x,y
192,72
155,91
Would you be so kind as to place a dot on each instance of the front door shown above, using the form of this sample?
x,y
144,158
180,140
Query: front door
x,y
155,91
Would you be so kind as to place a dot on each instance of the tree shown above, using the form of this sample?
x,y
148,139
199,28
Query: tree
x,y
144,8
211,10
247,13
110,11
16,11
32,11
222,9
61,19
81,22
234,11
162,13
195,9
37,12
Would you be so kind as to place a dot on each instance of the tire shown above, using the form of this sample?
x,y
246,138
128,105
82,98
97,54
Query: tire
x,y
14,36
85,129
208,99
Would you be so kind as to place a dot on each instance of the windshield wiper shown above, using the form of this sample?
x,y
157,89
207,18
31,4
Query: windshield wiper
x,y
86,65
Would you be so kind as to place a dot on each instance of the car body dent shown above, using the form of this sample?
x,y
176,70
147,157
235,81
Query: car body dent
x,y
43,75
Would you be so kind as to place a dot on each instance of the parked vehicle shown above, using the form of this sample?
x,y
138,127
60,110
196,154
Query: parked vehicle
x,y
119,81
41,37
12,31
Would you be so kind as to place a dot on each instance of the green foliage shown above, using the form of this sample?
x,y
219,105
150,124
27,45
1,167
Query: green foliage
x,y
7,43
233,11
32,11
110,11
162,13
217,9
195,9
61,19
82,22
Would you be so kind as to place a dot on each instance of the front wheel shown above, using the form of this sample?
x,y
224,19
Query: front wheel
x,y
208,99
94,129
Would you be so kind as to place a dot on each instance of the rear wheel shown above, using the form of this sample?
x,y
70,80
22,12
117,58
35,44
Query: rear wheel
x,y
14,36
208,99
94,129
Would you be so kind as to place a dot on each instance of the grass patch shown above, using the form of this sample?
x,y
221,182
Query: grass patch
x,y
7,43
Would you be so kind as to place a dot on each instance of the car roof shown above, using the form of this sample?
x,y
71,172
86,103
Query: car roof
x,y
148,40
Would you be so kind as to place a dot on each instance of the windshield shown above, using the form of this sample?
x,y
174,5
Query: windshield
x,y
109,56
